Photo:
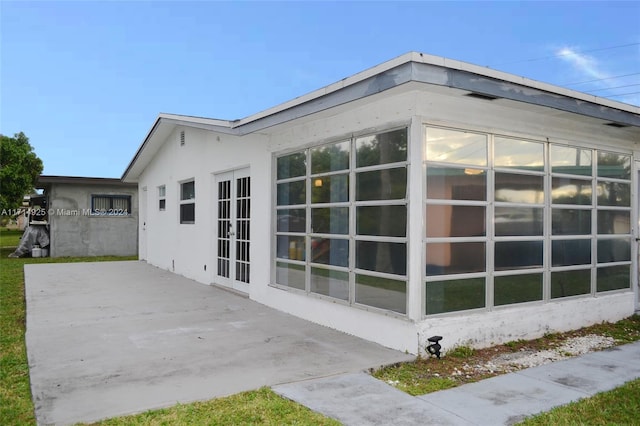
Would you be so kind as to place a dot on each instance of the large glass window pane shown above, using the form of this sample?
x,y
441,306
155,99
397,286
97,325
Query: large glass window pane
x,y
455,258
188,213
518,154
330,189
330,158
570,222
334,220
383,148
290,247
383,221
455,295
516,188
382,257
570,191
292,165
570,283
613,194
291,193
453,146
386,184
518,221
570,252
613,278
455,221
570,160
517,289
330,283
518,254
614,250
291,220
614,165
614,222
448,183
290,275
330,251
382,293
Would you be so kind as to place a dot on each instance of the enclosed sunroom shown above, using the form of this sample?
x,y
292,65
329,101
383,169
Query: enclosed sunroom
x,y
420,197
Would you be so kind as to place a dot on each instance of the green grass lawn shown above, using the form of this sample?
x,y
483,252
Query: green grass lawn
x,y
620,406
9,238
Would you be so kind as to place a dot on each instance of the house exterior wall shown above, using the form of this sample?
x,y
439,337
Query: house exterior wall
x,y
190,250
75,232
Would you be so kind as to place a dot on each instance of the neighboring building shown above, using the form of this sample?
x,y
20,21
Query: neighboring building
x,y
90,216
421,197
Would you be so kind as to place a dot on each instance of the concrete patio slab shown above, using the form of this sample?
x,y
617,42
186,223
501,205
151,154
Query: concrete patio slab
x,y
106,339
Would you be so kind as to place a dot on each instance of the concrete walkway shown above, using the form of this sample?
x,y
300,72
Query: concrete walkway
x,y
359,399
106,339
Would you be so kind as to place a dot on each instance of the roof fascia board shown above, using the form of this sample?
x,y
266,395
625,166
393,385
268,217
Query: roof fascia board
x,y
372,85
465,80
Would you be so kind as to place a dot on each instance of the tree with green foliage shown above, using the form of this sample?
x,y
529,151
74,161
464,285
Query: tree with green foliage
x,y
19,170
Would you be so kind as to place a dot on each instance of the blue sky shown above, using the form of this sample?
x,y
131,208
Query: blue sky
x,y
85,80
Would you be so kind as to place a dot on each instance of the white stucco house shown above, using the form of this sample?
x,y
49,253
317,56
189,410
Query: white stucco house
x,y
421,197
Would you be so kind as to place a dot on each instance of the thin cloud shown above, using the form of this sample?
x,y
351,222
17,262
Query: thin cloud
x,y
583,63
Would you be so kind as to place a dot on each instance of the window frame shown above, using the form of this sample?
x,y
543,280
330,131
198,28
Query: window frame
x,y
111,211
186,202
351,204
162,198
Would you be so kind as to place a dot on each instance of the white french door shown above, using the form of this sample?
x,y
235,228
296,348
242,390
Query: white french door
x,y
233,197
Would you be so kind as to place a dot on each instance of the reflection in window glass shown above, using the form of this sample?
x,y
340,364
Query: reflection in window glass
x,y
386,184
291,193
390,258
455,295
383,148
518,254
330,189
516,188
570,222
614,222
330,251
290,247
451,146
614,165
330,283
382,293
447,183
613,194
570,283
334,220
455,258
517,289
290,275
292,165
570,252
518,154
188,190
570,191
330,158
613,278
455,221
383,221
569,160
614,250
291,220
518,221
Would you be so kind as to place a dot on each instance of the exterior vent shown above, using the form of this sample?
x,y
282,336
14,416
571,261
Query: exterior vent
x,y
181,137
482,96
618,125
